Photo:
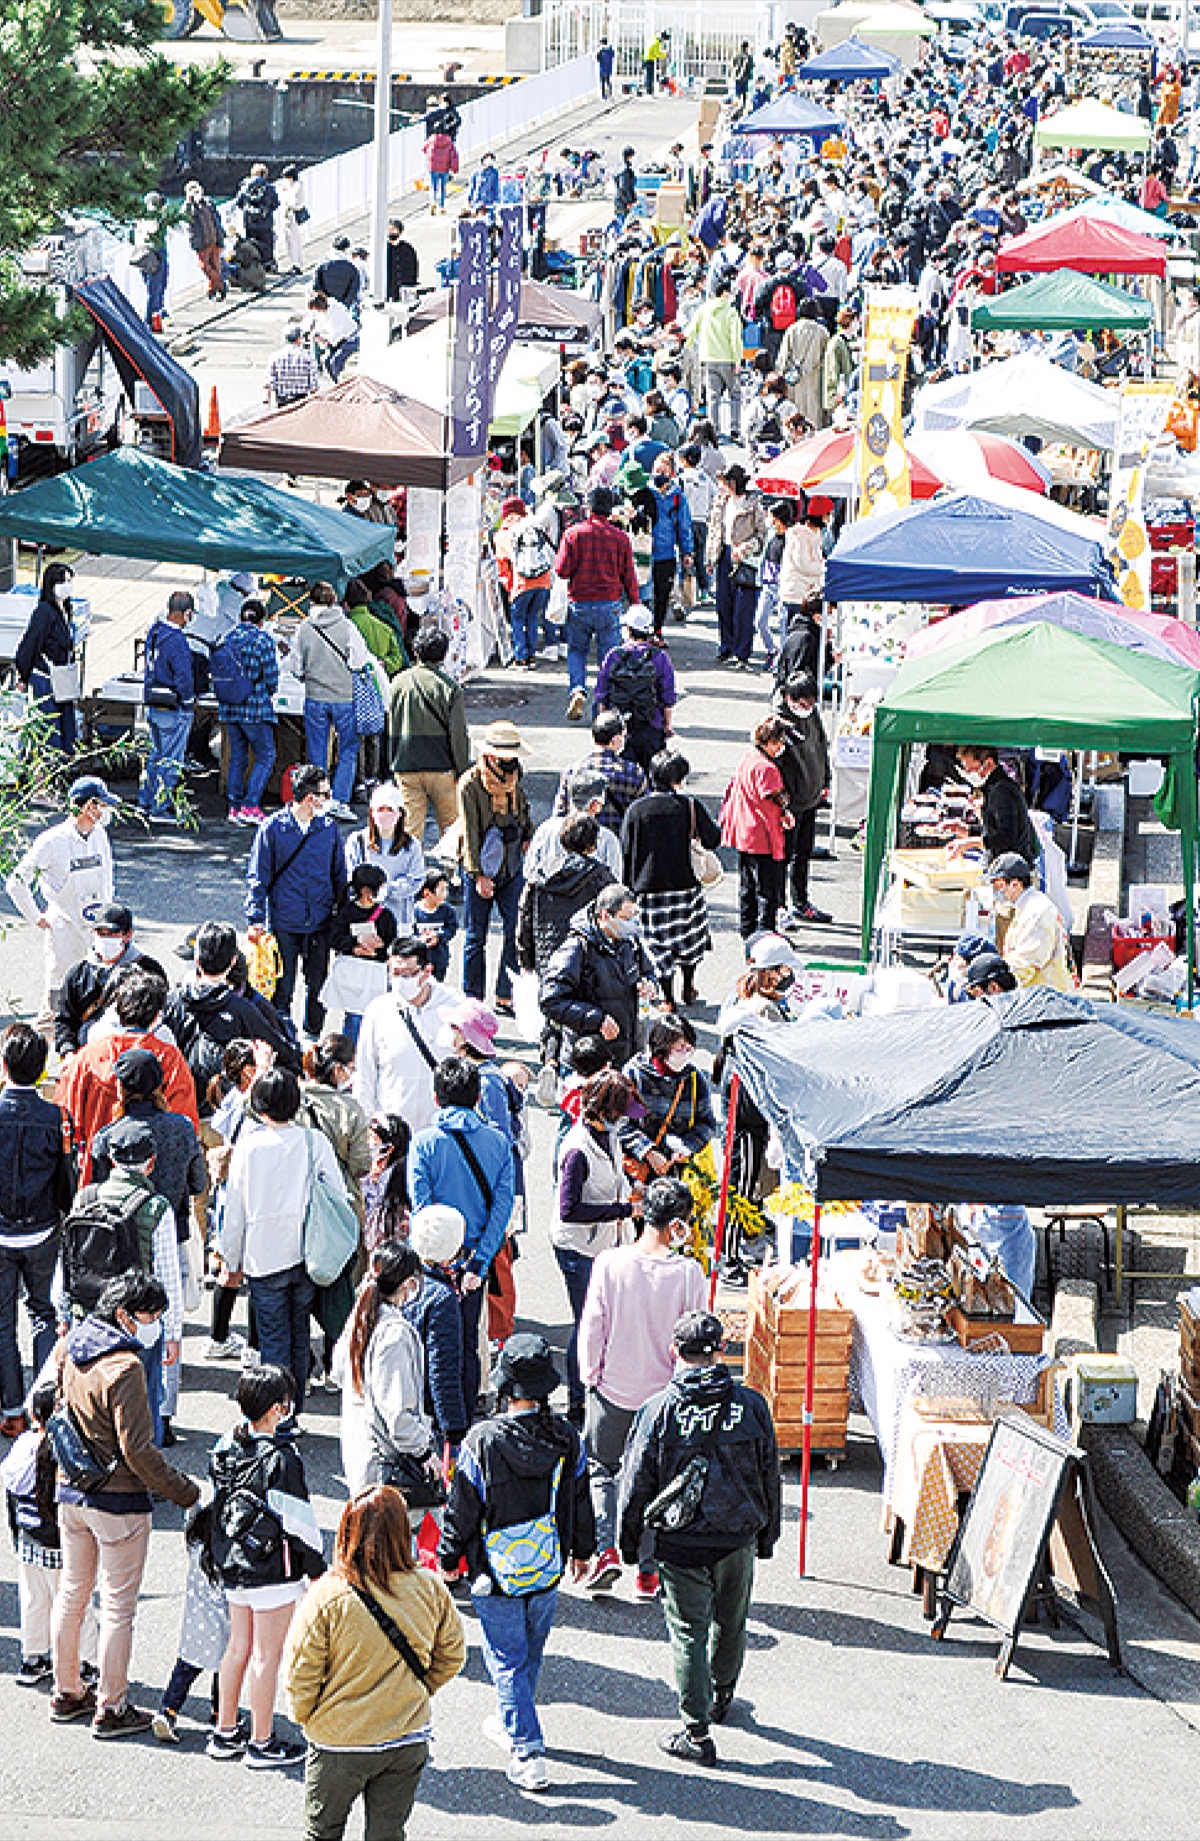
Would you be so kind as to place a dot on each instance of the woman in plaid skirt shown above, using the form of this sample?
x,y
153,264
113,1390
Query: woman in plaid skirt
x,y
656,841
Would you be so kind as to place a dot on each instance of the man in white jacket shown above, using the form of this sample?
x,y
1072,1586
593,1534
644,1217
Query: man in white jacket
x,y
1034,939
70,866
398,1045
271,1172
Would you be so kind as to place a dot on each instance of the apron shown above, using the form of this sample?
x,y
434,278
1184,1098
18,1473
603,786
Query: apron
x,y
69,939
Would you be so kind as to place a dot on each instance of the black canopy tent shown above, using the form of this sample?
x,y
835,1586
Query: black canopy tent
x,y
141,358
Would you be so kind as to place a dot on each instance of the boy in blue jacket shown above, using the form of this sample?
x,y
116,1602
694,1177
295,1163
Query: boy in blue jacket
x,y
295,881
169,693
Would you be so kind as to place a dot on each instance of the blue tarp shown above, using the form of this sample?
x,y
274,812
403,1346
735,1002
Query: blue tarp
x,y
1037,1098
1127,37
140,358
850,62
959,549
790,114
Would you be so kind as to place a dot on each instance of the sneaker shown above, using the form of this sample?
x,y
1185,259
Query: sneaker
x,y
722,1701
345,814
165,1726
787,919
250,1358
226,1745
34,1670
237,815
816,917
645,1586
89,1674
253,815
331,1386
696,1748
577,705
66,1707
275,1754
494,1732
226,1351
546,1091
606,1570
528,1773
113,1725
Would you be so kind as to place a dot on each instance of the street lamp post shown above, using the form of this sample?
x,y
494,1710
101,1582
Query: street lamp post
x,y
383,124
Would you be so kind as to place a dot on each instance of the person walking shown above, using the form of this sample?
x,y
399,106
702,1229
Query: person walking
x,y
149,256
45,658
89,1089
441,160
656,841
496,831
755,822
105,1530
326,652
625,779
295,878
427,729
206,235
736,539
399,1043
801,581
519,1515
294,206
258,201
85,991
715,337
671,538
435,1234
595,559
403,262
386,844
169,694
707,1567
635,1296
807,776
246,711
380,1366
637,680
35,1191
743,75
596,980
605,58
369,1646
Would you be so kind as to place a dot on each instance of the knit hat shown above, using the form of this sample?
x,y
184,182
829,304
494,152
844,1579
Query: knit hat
x,y
435,1233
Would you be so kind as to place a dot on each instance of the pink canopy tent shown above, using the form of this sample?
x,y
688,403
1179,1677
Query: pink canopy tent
x,y
1157,635
1090,244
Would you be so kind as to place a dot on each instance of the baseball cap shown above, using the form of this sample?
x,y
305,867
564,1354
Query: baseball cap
x,y
113,917
697,1332
1011,866
637,620
984,968
90,786
771,949
130,1141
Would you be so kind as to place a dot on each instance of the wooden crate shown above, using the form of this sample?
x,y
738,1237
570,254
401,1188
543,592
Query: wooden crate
x,y
788,1320
782,1368
1022,1338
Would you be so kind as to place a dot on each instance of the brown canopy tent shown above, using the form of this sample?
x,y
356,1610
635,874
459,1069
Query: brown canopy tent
x,y
548,316
356,429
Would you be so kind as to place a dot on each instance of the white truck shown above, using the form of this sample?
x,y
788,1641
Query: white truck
x,y
69,406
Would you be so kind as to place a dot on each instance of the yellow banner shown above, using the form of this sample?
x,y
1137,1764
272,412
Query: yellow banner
x,y
883,481
1144,412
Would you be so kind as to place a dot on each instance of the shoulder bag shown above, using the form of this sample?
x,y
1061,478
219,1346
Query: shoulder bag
x,y
74,1453
636,1168
403,1470
527,1556
677,1504
369,712
706,864
330,1232
393,1633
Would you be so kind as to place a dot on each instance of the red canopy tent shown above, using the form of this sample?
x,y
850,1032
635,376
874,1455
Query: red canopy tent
x,y
1089,244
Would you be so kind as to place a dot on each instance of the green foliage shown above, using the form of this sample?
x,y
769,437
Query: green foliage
x,y
89,113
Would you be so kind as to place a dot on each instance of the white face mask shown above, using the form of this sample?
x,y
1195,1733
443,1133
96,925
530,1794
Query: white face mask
x,y
107,948
679,1059
147,1333
361,503
62,592
408,988
105,817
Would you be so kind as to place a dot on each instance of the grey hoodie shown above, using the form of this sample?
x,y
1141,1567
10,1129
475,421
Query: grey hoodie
x,y
325,653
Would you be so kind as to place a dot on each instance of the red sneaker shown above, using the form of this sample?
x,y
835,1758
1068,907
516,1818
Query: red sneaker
x,y
646,1584
606,1570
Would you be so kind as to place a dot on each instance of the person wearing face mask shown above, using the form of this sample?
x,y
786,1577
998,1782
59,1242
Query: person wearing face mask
x,y
671,537
676,1120
1003,814
594,982
1031,934
45,657
635,1296
379,1363
85,989
295,878
755,821
106,1532
806,772
398,1044
70,866
497,830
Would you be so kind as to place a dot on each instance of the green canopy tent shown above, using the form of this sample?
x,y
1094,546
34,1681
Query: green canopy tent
x,y
1037,686
130,504
1063,300
1091,123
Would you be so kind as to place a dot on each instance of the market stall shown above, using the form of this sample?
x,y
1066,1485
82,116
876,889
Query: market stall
x,y
1092,245
1157,635
546,316
1091,124
1063,299
849,62
1026,395
355,429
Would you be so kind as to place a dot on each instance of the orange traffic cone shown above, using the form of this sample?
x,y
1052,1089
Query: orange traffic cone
x,y
212,426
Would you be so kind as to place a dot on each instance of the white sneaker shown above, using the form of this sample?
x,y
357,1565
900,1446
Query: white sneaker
x,y
345,814
546,1091
226,1351
250,1358
494,1732
528,1773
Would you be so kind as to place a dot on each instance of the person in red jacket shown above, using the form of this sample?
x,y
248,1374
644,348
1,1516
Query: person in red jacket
x,y
754,820
89,1092
441,158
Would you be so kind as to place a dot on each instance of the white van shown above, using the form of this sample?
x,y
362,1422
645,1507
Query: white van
x,y
1165,19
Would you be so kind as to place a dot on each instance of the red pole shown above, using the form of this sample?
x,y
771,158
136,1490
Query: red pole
x,y
810,1380
735,1087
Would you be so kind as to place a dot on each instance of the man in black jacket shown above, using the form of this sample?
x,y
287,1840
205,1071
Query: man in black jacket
x,y
35,1189
1003,814
206,1014
704,1418
84,991
594,981
338,276
805,767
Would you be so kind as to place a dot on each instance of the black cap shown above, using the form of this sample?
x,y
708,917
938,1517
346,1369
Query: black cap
x,y
989,968
129,1141
526,1368
139,1072
1011,866
115,917
698,1332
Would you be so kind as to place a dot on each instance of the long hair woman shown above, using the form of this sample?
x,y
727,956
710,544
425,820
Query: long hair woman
x,y
363,1705
380,1364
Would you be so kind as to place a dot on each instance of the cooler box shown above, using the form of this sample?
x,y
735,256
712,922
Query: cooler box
x,y
1129,940
1103,1390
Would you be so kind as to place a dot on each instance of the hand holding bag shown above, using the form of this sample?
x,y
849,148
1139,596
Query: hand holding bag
x,y
706,864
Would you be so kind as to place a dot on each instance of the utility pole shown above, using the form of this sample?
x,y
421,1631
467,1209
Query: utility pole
x,y
383,130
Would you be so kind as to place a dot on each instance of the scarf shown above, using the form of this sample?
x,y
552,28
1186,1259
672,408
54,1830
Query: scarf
x,y
500,788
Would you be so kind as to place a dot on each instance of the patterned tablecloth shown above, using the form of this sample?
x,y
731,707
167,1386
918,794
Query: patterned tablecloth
x,y
937,1458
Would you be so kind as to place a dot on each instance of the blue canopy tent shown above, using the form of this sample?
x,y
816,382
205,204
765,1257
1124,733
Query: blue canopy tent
x,y
1126,36
849,62
791,114
958,549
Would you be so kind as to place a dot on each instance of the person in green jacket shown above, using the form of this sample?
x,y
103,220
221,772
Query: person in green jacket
x,y
838,366
717,337
380,637
428,733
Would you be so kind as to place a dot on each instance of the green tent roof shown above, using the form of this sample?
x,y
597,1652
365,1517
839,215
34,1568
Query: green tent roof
x,y
1064,299
1092,123
130,504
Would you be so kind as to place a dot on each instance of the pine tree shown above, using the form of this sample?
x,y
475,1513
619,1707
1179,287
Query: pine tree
x,y
89,113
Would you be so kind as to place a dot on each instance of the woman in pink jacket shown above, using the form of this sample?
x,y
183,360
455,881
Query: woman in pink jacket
x,y
441,157
754,818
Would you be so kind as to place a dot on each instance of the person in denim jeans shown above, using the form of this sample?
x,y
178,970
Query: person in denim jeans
x,y
169,676
497,828
595,559
523,1465
326,652
250,725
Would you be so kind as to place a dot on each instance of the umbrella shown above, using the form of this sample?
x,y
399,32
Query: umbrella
x,y
966,457
1155,634
1090,244
825,460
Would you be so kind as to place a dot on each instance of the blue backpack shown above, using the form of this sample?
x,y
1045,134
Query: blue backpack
x,y
227,674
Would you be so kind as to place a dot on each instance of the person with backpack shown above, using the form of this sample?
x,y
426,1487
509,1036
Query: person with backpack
x,y
266,1546
169,694
27,1478
205,1013
532,554
35,1189
244,673
108,1466
258,201
671,537
520,1514
637,679
701,1469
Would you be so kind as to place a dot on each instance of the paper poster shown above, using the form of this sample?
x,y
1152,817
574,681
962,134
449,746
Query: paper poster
x,y
1144,412
883,480
470,397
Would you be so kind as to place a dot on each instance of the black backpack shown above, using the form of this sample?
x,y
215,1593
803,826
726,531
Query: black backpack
x,y
246,1535
100,1240
633,685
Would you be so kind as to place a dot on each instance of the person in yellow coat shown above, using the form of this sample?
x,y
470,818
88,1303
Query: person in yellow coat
x,y
1034,939
655,54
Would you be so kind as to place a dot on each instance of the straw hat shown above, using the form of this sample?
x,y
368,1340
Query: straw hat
x,y
502,738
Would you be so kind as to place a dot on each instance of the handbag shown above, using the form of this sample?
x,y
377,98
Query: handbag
x,y
330,1231
526,1556
706,864
369,712
65,686
637,1169
744,575
301,214
404,1471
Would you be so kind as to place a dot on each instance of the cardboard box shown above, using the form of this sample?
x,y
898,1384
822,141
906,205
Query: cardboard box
x,y
1103,1390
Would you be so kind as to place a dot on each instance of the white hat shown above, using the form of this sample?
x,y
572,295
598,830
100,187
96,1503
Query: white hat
x,y
636,620
771,949
387,798
436,1233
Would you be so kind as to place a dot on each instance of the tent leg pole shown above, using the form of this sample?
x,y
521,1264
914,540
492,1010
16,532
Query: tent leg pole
x,y
1073,865
828,850
810,1382
735,1087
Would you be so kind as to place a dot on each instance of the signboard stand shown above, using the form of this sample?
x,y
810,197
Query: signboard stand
x,y
1027,1529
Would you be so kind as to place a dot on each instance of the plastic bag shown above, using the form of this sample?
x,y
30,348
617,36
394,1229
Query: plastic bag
x,y
526,1008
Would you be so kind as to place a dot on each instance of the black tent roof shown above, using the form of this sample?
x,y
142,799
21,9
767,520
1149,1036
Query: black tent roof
x,y
140,358
1036,1098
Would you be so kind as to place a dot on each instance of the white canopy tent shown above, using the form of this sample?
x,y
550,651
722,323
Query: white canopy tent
x,y
420,366
1026,395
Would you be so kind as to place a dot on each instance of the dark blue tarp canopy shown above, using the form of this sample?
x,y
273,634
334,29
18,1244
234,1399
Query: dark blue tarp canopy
x,y
959,549
1118,37
140,358
850,62
790,114
1037,1098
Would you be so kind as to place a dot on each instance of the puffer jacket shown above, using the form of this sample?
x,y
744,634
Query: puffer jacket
x,y
547,908
505,1475
437,1318
103,1382
740,1502
264,1529
592,976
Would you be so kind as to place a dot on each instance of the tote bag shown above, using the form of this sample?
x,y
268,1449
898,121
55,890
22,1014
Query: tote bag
x,y
330,1235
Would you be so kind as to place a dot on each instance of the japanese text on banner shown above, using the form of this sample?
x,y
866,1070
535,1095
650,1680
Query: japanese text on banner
x,y
506,303
470,394
883,478
1144,411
